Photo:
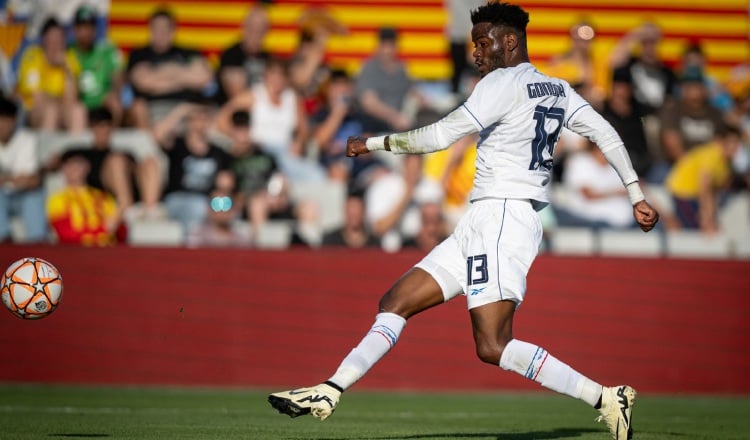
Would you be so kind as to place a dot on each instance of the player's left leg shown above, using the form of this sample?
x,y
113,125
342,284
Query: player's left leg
x,y
493,334
503,253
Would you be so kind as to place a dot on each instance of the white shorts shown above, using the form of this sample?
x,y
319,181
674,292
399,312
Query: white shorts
x,y
489,253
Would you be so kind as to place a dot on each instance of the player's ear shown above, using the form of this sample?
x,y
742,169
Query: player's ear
x,y
510,41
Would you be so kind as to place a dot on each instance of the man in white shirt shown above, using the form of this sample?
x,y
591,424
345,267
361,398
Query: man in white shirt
x,y
20,178
518,113
596,196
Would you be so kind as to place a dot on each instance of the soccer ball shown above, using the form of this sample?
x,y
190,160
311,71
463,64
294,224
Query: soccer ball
x,y
31,288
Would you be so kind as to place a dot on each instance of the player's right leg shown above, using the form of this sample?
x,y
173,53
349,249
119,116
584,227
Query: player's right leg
x,y
414,292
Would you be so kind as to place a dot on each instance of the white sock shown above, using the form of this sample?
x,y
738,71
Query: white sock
x,y
376,343
535,363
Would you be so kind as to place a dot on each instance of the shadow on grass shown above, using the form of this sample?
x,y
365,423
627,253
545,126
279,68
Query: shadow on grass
x,y
78,435
560,433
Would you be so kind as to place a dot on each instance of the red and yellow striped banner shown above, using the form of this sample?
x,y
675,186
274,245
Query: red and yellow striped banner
x,y
720,25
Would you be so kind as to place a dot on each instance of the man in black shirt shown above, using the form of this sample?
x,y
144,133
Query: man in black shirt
x,y
195,164
163,73
624,113
242,64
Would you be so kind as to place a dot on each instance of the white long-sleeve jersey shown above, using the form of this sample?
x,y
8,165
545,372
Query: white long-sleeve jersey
x,y
519,113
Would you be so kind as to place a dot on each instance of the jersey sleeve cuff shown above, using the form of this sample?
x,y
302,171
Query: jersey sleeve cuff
x,y
634,193
375,143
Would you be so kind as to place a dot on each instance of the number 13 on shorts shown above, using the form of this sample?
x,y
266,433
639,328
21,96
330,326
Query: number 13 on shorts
x,y
476,272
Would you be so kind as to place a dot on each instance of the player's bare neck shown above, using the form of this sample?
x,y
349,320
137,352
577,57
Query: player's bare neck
x,y
516,57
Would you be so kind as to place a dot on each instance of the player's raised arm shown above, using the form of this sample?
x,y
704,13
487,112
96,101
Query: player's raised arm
x,y
434,137
585,121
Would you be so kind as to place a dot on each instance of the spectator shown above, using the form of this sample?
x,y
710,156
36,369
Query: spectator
x,y
387,200
740,116
221,228
241,65
699,176
81,214
195,163
163,74
625,115
353,234
694,58
308,66
118,172
596,193
279,122
653,81
20,177
47,80
432,227
263,189
691,120
578,66
101,79
453,170
333,123
382,87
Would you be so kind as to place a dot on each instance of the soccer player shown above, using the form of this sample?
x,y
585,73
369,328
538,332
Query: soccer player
x,y
518,113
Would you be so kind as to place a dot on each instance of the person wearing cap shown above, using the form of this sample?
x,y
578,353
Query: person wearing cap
x,y
382,87
47,83
690,120
101,79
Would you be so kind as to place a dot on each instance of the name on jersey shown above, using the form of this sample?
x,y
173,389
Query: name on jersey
x,y
541,89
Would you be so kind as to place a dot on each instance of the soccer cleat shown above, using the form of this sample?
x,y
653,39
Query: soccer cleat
x,y
320,401
616,411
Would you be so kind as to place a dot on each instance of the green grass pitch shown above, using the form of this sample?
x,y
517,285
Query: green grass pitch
x,y
60,412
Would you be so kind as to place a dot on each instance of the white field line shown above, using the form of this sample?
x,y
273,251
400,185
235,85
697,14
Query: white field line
x,y
14,409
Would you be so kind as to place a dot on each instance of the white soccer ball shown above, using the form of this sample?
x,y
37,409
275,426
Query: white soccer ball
x,y
31,288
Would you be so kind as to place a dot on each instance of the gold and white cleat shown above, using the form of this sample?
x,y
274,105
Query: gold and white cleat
x,y
616,411
320,401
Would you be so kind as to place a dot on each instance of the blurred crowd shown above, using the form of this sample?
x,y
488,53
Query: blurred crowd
x,y
236,143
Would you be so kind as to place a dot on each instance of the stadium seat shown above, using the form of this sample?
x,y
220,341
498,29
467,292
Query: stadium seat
x,y
573,241
660,198
274,235
695,244
630,243
741,247
330,198
734,219
155,233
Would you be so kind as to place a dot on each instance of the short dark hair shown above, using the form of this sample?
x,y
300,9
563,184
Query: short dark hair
x,y
727,129
100,114
387,34
163,12
241,118
74,153
501,14
339,74
48,25
8,107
